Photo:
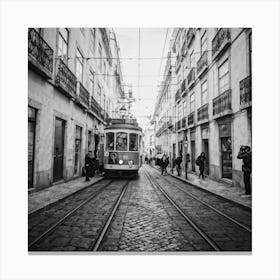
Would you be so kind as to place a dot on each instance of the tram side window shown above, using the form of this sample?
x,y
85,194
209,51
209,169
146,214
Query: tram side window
x,y
110,141
133,142
121,142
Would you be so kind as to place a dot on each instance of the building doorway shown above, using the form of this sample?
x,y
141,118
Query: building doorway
x,y
31,144
58,149
78,140
193,155
206,151
226,157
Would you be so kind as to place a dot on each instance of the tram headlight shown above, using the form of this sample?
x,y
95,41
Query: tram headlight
x,y
120,161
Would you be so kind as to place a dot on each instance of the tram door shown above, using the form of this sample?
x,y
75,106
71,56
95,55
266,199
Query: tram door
x,y
58,149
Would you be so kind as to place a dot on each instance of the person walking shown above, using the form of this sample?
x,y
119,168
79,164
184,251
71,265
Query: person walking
x,y
178,162
88,165
245,154
162,163
200,161
165,164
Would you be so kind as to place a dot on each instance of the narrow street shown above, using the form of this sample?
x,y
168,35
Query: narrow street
x,y
145,220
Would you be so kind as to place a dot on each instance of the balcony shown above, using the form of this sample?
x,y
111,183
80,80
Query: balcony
x,y
178,125
202,114
184,122
202,64
183,88
190,36
220,41
82,95
246,92
65,80
177,95
191,119
95,107
191,77
40,54
222,104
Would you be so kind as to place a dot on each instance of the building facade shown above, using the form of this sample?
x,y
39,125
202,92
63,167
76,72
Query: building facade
x,y
213,98
74,86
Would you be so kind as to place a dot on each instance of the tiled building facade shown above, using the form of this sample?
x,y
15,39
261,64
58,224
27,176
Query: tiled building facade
x,y
212,111
74,86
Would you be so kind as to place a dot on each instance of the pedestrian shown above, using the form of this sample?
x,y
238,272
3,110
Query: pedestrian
x,y
178,162
200,161
165,163
87,165
245,154
186,165
162,163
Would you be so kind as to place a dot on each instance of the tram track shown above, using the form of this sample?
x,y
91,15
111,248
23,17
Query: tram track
x,y
233,220
35,244
201,222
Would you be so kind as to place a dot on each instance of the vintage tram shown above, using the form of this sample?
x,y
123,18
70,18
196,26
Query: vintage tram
x,y
122,149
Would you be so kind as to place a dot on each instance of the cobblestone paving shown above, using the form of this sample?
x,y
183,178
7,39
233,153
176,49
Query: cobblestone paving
x,y
233,210
227,235
41,220
146,222
79,231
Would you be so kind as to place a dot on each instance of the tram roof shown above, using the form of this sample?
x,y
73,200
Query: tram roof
x,y
123,124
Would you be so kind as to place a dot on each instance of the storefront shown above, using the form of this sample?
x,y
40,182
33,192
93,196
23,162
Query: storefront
x,y
226,149
192,139
205,147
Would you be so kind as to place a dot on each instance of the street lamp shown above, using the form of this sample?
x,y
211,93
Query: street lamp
x,y
123,111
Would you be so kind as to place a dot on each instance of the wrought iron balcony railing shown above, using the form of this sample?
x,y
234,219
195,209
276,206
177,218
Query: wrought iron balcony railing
x,y
82,94
202,113
191,119
222,103
190,35
40,54
245,92
221,39
177,95
202,63
184,122
95,107
65,79
191,77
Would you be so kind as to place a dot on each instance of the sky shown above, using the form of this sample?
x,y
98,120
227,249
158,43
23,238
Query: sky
x,y
152,45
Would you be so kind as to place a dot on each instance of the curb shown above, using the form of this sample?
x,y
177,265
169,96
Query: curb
x,y
246,207
44,207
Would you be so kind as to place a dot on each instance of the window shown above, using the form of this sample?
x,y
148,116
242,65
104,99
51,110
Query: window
x,y
184,108
91,83
203,42
100,55
79,65
99,94
63,44
192,103
204,93
133,142
192,60
92,41
121,141
223,77
250,53
110,141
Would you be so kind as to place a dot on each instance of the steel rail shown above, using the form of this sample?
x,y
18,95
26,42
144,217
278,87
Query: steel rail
x,y
210,206
244,207
208,239
96,244
70,213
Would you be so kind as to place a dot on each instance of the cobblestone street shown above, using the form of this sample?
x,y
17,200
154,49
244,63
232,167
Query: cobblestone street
x,y
145,220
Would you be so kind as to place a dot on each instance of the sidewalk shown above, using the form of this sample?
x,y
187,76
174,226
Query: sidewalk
x,y
54,193
218,187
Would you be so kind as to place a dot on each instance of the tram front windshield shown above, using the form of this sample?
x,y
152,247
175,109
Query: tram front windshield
x,y
133,142
121,141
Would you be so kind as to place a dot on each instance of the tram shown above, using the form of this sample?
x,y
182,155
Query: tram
x,y
122,149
